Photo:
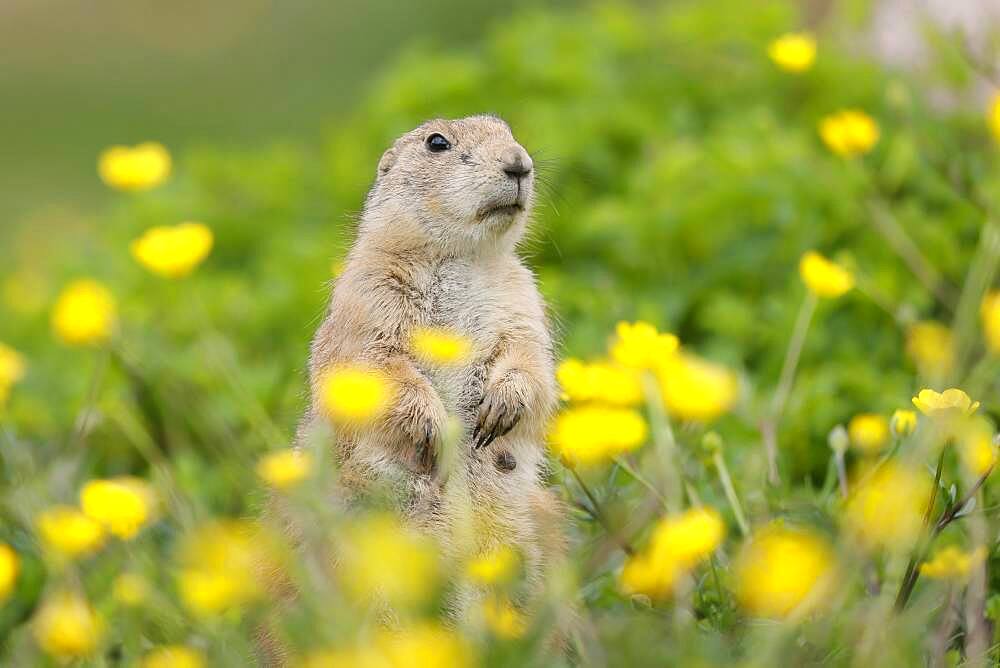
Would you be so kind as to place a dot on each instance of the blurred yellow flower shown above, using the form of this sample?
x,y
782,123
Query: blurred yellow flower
x,y
993,116
903,423
644,575
381,557
503,619
977,450
869,432
68,532
886,509
123,505
640,346
599,381
437,346
173,251
67,627
823,277
10,566
990,313
695,389
950,403
426,645
130,589
221,565
793,52
137,167
174,656
930,345
355,395
12,370
85,313
849,133
286,468
951,563
493,567
783,570
590,435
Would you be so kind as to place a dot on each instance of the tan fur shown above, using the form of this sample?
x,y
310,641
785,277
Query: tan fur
x,y
428,253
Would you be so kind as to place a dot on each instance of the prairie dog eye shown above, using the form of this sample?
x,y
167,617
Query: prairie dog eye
x,y
437,143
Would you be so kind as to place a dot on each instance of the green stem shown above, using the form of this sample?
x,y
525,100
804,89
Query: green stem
x,y
665,444
910,577
730,490
598,514
638,477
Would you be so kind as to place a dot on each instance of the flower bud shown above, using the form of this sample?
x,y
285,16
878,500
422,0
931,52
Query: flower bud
x,y
838,439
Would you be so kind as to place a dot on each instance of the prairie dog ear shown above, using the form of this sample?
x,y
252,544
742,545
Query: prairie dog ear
x,y
387,161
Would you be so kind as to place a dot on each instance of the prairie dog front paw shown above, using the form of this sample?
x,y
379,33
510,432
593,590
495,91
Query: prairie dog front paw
x,y
418,420
501,409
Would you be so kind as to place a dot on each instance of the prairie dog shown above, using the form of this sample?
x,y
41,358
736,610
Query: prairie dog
x,y
436,247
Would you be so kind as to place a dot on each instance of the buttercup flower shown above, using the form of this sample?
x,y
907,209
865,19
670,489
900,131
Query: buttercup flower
x,y
977,449
10,566
849,133
123,505
869,432
68,532
355,395
886,509
950,403
12,370
85,313
993,116
599,381
930,345
383,558
951,563
130,589
66,627
990,313
783,570
793,52
695,389
286,468
644,575
823,277
503,619
134,168
173,252
589,435
499,565
640,346
425,645
439,347
903,423
174,656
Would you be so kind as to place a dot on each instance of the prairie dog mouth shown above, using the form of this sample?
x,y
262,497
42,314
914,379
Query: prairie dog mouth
x,y
500,210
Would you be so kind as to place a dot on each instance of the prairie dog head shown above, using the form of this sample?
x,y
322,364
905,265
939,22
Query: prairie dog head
x,y
458,183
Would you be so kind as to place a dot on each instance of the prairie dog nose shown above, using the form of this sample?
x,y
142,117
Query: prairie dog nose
x,y
515,161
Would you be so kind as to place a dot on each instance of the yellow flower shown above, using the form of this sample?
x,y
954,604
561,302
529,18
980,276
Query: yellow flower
x,y
123,505
66,627
174,656
950,563
503,619
950,403
69,532
426,645
355,395
130,589
10,566
903,423
286,468
976,447
497,566
993,117
931,347
599,381
793,52
823,277
644,575
783,570
589,435
886,509
695,389
640,346
12,369
990,312
134,168
439,347
221,566
869,432
84,313
849,133
381,557
173,252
